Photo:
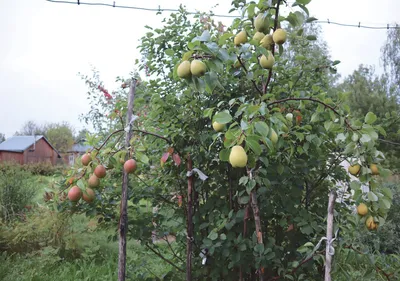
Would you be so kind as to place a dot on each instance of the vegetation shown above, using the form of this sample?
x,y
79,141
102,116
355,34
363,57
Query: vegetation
x,y
238,138
16,191
60,135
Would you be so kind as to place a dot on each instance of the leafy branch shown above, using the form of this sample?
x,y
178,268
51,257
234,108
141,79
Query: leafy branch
x,y
297,267
163,258
377,268
273,45
316,101
252,80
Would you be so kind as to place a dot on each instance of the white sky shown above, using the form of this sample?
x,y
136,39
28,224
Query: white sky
x,y
44,45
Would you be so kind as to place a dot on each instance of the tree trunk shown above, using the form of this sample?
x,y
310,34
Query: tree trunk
x,y
123,219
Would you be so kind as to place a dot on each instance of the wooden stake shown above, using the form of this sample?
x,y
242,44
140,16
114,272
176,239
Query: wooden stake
x,y
329,234
123,219
189,221
257,221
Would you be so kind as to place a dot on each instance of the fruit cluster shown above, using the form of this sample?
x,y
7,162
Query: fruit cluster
x,y
75,193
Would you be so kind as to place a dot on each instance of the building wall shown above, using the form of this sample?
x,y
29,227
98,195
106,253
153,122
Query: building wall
x,y
43,152
70,158
6,156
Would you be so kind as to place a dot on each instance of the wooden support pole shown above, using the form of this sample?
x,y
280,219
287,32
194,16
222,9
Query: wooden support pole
x,y
189,221
257,221
123,219
329,234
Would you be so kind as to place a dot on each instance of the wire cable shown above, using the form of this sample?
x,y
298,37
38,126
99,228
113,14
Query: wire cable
x,y
159,9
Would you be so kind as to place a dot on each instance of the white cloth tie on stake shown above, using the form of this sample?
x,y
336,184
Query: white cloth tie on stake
x,y
134,117
202,176
331,249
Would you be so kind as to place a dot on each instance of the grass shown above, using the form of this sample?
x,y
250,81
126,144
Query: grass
x,y
86,252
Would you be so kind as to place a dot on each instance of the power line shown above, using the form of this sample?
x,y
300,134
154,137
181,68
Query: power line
x,y
159,9
359,25
114,5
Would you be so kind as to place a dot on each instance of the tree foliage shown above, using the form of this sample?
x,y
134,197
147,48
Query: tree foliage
x,y
60,135
260,222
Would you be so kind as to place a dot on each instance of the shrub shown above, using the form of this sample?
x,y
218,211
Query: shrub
x,y
16,191
40,168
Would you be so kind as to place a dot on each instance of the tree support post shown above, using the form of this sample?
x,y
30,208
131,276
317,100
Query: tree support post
x,y
123,219
257,221
189,167
329,234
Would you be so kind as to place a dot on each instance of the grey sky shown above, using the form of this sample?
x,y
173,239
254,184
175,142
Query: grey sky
x,y
44,45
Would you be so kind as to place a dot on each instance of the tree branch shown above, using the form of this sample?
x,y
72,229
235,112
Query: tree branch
x,y
273,45
106,140
153,134
313,100
377,268
163,258
172,250
252,80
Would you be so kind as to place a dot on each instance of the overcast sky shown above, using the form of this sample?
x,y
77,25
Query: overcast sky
x,y
44,45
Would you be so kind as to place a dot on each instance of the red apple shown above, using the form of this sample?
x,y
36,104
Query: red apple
x,y
86,158
130,166
100,171
88,195
74,194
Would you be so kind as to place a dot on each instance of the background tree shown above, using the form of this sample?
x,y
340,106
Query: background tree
x,y
31,128
2,137
369,92
391,57
60,135
81,135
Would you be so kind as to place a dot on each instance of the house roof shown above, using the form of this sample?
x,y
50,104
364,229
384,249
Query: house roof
x,y
79,147
21,143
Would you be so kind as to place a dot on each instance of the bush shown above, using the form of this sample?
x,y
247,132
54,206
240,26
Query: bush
x,y
40,168
16,191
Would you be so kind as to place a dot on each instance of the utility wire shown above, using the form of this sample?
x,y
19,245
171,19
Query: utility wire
x,y
114,5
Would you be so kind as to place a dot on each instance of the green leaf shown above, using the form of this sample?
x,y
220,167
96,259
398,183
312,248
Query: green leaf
x,y
387,192
303,2
253,144
205,36
386,203
80,184
370,118
372,196
311,37
250,185
244,200
355,185
259,248
212,236
223,117
262,128
243,180
311,19
142,157
222,236
170,52
280,168
224,154
365,138
187,55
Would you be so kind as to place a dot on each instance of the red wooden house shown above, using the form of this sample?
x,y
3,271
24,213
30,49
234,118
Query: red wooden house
x,y
28,149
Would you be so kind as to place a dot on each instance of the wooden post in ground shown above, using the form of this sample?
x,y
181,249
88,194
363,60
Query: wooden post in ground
x,y
189,220
123,219
329,234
